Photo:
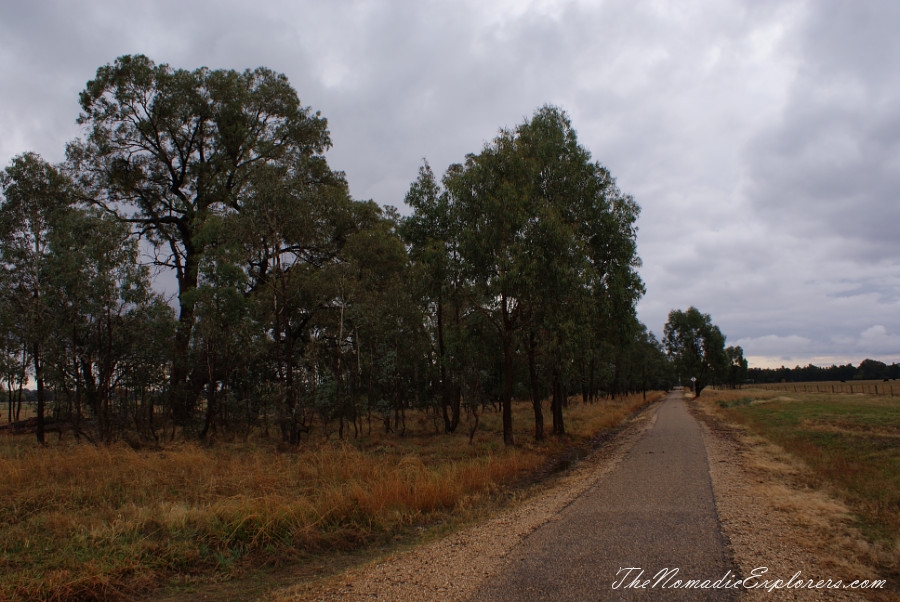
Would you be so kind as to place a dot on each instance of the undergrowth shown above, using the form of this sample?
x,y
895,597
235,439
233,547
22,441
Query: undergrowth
x,y
82,522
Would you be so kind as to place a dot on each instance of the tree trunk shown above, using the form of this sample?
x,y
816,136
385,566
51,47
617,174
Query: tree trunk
x,y
559,428
592,392
506,399
39,379
179,380
535,389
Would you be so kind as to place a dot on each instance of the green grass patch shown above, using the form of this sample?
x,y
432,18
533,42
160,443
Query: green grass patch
x,y
851,444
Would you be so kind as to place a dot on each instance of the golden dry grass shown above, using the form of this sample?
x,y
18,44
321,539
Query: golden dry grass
x,y
83,522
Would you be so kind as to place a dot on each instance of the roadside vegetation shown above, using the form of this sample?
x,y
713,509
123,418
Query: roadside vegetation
x,y
82,522
849,445
287,301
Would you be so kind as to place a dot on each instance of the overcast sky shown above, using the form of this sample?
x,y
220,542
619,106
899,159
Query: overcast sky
x,y
760,138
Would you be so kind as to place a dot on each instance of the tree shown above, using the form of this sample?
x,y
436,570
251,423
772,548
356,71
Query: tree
x,y
431,234
544,241
166,149
289,235
36,198
73,282
492,195
871,370
696,345
96,289
737,366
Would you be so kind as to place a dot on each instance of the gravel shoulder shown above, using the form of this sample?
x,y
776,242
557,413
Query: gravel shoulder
x,y
767,519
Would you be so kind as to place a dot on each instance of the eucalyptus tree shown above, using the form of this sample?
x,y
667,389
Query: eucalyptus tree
x,y
166,149
382,331
36,198
696,345
492,195
431,233
96,289
584,283
72,278
13,352
545,241
736,366
224,329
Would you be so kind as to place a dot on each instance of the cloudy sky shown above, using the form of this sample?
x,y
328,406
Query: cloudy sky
x,y
760,138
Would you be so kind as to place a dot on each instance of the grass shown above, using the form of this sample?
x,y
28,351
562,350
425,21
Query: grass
x,y
849,444
889,388
79,522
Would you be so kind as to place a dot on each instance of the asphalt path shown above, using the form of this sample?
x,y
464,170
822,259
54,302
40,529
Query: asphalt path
x,y
647,530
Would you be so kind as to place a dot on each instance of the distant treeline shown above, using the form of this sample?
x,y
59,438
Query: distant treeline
x,y
867,370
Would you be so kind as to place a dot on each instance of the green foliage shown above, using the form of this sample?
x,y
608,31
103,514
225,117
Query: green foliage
x,y
72,272
175,153
736,366
516,274
697,347
535,238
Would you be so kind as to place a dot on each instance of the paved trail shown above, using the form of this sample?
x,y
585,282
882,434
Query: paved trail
x,y
655,511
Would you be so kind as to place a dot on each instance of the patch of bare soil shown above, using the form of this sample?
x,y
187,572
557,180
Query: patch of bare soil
x,y
775,522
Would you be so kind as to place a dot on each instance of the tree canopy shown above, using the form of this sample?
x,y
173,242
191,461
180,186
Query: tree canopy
x,y
514,275
697,347
542,243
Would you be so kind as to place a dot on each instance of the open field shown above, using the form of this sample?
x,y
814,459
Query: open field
x,y
852,387
84,522
847,445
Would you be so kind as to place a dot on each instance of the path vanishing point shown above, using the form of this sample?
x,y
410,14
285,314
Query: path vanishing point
x,y
655,512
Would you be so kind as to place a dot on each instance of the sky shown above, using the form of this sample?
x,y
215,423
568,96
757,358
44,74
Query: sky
x,y
760,138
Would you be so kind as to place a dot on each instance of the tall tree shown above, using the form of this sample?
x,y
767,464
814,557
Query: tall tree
x,y
96,289
545,239
36,198
737,366
431,233
288,236
493,195
696,345
168,148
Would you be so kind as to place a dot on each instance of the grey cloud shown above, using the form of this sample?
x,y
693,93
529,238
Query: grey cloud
x,y
828,167
759,138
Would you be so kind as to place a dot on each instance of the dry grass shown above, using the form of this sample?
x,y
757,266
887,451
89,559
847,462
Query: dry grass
x,y
852,387
82,522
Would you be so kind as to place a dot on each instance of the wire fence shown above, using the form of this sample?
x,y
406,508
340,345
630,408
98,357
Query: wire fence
x,y
859,387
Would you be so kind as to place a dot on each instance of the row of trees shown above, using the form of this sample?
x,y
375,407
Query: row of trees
x,y
513,277
868,369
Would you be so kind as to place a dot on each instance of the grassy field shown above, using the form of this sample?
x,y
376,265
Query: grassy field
x,y
80,522
889,388
849,443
